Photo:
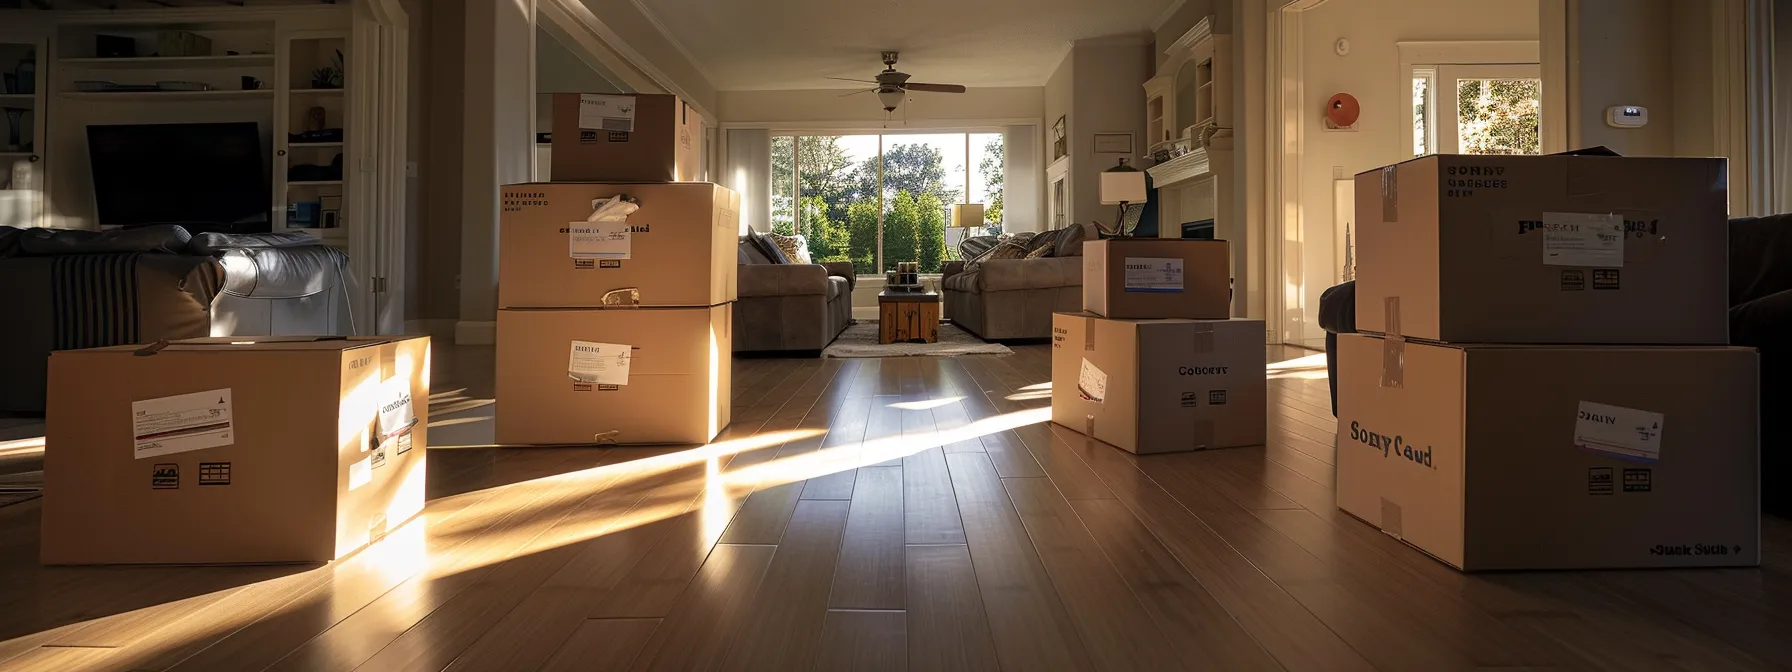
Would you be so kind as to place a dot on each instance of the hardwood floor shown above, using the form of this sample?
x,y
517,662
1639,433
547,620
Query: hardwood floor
x,y
909,513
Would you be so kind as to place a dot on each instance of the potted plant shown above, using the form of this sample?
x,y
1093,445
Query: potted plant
x,y
328,77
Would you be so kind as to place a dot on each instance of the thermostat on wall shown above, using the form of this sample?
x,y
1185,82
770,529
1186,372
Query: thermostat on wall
x,y
1627,116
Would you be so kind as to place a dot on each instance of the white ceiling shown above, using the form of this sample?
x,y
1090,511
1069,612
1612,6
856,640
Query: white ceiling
x,y
795,44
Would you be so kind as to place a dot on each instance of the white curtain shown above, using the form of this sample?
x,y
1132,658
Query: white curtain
x,y
1021,175
748,170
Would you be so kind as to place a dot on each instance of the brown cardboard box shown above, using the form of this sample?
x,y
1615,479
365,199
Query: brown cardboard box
x,y
1566,457
1160,386
675,388
1545,249
234,450
1157,278
625,138
680,249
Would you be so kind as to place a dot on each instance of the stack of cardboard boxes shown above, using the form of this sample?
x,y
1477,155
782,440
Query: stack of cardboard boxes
x,y
616,283
1154,364
1545,384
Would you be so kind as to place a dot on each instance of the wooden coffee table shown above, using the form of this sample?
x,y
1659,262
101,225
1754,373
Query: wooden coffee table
x,y
908,317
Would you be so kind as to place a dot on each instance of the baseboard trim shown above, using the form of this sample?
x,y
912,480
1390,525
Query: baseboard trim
x,y
475,333
437,329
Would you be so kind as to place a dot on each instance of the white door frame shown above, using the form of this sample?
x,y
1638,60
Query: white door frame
x,y
380,74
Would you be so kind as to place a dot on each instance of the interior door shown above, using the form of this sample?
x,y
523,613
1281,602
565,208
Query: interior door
x,y
1485,109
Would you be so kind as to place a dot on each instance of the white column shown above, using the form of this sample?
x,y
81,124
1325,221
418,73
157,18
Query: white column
x,y
498,144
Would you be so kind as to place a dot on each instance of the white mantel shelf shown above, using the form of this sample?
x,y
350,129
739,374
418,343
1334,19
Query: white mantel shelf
x,y
1183,168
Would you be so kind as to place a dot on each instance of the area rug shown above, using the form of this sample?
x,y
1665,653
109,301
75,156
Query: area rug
x,y
860,340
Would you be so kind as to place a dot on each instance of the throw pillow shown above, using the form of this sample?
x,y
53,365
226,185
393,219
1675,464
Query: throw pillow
x,y
1040,252
795,248
767,247
1007,250
1070,241
1044,239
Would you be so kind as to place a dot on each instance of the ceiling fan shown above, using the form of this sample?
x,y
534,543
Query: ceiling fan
x,y
892,85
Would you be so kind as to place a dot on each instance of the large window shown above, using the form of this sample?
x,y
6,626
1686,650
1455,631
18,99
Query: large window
x,y
879,199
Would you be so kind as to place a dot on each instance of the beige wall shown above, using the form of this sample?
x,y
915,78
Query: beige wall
x,y
559,70
828,105
1109,98
1625,56
627,21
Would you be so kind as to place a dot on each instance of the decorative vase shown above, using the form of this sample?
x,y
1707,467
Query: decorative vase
x,y
26,73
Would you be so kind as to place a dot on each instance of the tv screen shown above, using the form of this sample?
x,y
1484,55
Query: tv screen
x,y
208,177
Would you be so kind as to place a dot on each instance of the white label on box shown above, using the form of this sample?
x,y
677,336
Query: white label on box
x,y
360,473
1622,432
1581,239
601,363
1148,274
599,240
606,113
1091,383
396,416
182,423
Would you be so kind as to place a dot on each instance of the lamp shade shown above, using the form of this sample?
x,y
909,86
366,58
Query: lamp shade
x,y
891,98
1122,187
967,215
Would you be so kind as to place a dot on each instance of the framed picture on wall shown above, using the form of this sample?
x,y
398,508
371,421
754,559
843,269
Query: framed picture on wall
x,y
1113,143
1060,146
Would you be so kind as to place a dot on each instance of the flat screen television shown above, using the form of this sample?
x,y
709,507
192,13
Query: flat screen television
x,y
207,177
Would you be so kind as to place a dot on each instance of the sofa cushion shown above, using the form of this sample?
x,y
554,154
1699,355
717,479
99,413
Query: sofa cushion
x,y
166,238
1044,240
795,248
837,286
218,243
1000,275
783,280
1070,241
963,282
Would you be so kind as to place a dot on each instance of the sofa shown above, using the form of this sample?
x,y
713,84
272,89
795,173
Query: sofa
x,y
70,289
1013,299
1760,317
788,307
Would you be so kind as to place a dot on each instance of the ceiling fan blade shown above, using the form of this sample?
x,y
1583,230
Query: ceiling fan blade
x,y
935,88
843,79
843,95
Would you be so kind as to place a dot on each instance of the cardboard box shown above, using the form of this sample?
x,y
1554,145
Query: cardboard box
x,y
1564,457
1157,278
1160,386
1545,249
233,450
561,379
625,138
677,250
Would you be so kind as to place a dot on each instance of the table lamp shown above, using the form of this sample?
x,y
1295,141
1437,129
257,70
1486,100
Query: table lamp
x,y
967,215
1122,185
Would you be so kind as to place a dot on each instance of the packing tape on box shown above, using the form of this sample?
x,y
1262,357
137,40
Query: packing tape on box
x,y
1393,348
1203,339
1088,335
1089,426
1390,194
1202,433
1391,516
627,297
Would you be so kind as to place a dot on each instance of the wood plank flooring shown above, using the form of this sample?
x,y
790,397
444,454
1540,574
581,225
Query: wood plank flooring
x,y
895,514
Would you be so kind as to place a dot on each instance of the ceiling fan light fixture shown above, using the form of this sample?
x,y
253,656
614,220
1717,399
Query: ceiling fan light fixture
x,y
890,98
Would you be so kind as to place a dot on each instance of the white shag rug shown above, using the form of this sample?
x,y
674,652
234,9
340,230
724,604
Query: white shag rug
x,y
860,340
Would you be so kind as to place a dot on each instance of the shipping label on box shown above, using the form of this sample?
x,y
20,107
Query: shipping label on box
x,y
606,113
182,423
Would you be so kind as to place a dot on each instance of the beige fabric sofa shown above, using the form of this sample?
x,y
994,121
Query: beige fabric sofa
x,y
1009,299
